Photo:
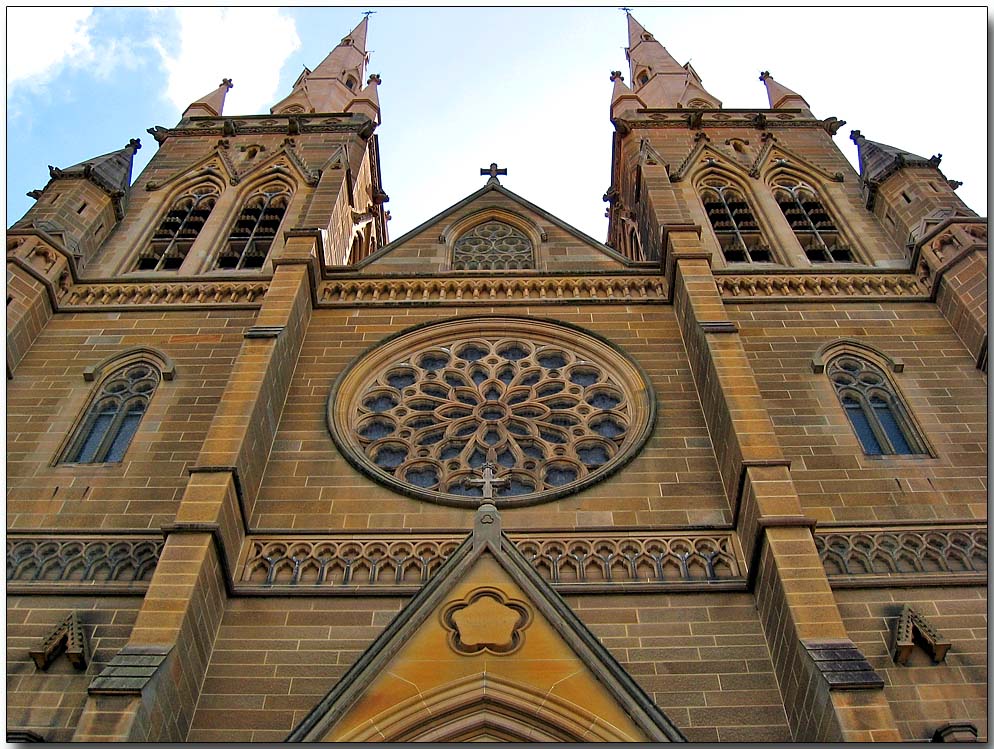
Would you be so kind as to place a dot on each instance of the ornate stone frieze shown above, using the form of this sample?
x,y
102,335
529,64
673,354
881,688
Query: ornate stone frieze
x,y
654,119
889,556
37,563
833,286
628,289
267,124
572,562
212,293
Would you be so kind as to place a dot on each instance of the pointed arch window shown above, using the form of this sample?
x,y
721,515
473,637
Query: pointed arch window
x,y
873,407
254,230
111,421
493,245
811,223
179,229
733,222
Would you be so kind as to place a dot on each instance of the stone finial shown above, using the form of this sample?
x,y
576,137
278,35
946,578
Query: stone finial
x,y
617,76
764,75
374,79
134,144
855,136
226,82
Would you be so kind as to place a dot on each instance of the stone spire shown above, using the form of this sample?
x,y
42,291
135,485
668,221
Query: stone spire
x,y
622,98
782,97
335,82
878,161
110,172
658,79
211,105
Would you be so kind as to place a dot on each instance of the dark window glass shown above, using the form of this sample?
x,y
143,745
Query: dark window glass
x,y
811,223
254,231
113,418
734,223
178,230
873,408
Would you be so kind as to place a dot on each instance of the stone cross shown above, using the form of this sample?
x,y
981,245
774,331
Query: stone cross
x,y
488,482
493,171
368,13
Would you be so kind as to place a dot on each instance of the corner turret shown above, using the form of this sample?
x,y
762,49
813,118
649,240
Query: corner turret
x,y
782,97
211,105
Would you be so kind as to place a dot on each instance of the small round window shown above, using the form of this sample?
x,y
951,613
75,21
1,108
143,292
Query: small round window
x,y
550,408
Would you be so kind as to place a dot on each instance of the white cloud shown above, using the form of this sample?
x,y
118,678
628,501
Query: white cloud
x,y
41,40
248,45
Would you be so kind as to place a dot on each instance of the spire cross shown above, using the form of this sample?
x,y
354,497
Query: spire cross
x,y
493,171
488,482
627,10
368,13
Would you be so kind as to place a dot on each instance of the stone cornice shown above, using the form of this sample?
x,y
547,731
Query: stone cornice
x,y
819,286
755,119
176,295
274,124
373,291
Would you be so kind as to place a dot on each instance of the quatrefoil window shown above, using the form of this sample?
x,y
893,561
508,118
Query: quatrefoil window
x,y
554,408
493,245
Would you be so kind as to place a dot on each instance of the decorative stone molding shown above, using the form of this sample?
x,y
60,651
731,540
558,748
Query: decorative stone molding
x,y
655,119
345,563
903,555
570,562
579,561
37,564
267,124
180,293
575,289
829,287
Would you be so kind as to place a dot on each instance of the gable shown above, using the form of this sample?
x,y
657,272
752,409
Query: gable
x,y
555,245
486,649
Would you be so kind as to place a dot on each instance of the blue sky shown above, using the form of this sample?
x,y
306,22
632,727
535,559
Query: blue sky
x,y
528,88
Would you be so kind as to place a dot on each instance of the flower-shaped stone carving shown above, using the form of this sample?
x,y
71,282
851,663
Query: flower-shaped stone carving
x,y
550,414
486,620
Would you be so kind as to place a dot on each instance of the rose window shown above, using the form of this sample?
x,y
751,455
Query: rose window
x,y
552,408
493,245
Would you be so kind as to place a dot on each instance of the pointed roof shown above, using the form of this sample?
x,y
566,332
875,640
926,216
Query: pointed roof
x,y
486,599
878,161
495,186
350,52
780,96
212,104
111,172
367,101
667,84
622,98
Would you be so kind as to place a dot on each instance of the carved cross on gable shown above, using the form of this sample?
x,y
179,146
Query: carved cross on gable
x,y
493,171
489,480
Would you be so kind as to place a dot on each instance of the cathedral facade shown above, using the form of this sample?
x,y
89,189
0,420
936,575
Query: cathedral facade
x,y
272,476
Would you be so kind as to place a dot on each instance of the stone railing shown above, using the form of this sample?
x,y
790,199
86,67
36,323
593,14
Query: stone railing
x,y
216,294
892,556
819,286
81,563
371,291
571,562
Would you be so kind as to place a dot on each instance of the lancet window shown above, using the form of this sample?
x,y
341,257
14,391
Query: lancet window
x,y
254,230
874,408
112,419
734,223
493,245
811,222
179,229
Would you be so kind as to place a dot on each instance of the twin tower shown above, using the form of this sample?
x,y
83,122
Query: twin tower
x,y
272,475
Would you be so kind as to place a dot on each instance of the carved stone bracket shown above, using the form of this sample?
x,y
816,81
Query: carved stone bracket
x,y
909,624
69,637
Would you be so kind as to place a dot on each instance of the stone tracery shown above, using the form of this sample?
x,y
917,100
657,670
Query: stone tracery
x,y
552,417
